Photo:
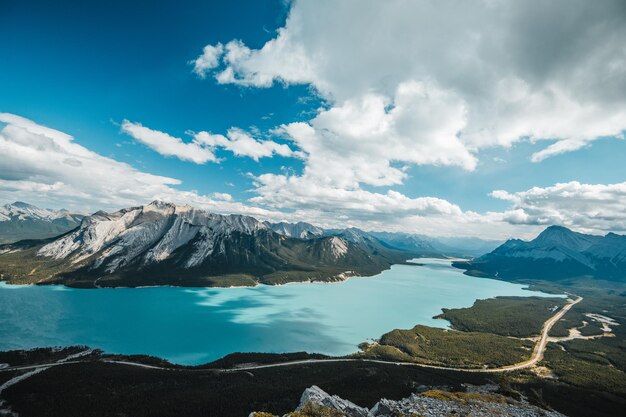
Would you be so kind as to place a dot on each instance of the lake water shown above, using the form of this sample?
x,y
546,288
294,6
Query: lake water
x,y
197,325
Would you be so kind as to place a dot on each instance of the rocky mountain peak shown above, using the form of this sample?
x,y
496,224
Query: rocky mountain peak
x,y
560,235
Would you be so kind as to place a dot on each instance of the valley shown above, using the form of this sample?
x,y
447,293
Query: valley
x,y
504,319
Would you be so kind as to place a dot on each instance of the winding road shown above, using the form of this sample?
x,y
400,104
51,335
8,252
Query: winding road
x,y
536,356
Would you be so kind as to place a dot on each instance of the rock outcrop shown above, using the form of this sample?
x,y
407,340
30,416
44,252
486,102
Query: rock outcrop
x,y
315,402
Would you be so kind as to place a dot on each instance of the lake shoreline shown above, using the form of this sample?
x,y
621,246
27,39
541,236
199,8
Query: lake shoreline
x,y
193,325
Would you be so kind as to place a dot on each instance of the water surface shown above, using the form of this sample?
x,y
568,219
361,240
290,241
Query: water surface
x,y
197,325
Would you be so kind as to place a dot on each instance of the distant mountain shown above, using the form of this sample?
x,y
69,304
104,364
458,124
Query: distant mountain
x,y
369,240
409,242
465,246
442,246
556,253
20,221
165,244
300,230
406,241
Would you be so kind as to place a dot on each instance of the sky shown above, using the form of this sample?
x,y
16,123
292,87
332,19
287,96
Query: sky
x,y
489,118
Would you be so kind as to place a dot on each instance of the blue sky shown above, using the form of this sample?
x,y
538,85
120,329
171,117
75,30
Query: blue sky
x,y
85,67
387,124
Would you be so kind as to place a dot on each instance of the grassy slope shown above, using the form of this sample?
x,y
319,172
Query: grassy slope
x,y
429,345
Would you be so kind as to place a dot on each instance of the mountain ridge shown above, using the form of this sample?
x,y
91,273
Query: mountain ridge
x,y
556,253
21,220
164,244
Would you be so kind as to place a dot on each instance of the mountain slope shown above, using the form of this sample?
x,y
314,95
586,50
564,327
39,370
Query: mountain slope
x,y
300,230
556,253
165,244
20,221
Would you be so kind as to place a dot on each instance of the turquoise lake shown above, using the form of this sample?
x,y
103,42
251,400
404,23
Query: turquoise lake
x,y
198,325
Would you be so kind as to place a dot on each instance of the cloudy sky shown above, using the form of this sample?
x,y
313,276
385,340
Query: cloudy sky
x,y
487,118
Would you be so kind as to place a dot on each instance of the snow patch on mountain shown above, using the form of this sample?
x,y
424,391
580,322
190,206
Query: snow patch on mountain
x,y
338,247
20,211
299,230
147,234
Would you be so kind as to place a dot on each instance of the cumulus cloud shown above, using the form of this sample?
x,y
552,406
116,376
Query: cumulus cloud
x,y
208,60
203,146
589,208
279,59
34,167
168,145
520,70
585,207
434,83
222,196
242,144
372,139
47,167
296,192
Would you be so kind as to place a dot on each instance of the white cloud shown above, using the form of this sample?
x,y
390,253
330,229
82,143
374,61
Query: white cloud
x,y
222,196
208,60
168,145
540,70
47,167
433,83
371,139
391,211
202,148
279,59
585,207
293,192
242,144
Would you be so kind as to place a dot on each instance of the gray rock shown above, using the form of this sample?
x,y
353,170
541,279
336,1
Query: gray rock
x,y
318,396
428,406
383,408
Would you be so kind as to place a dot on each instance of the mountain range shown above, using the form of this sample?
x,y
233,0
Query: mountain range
x,y
166,244
556,253
19,221
447,246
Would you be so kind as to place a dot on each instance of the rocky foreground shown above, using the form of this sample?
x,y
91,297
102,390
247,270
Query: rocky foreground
x,y
476,402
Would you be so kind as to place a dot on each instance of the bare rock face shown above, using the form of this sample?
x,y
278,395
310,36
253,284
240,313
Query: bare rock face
x,y
318,396
444,404
315,402
167,244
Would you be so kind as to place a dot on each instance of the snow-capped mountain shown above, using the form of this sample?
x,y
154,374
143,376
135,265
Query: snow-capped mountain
x,y
300,230
20,221
556,253
163,243
355,235
147,234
